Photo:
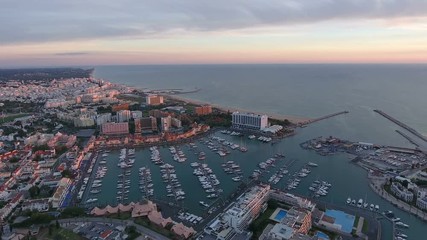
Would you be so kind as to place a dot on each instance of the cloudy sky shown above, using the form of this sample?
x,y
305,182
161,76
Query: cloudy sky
x,y
99,32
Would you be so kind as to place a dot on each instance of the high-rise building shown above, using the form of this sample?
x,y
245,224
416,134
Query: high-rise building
x,y
154,100
138,128
249,121
166,123
103,118
148,124
123,115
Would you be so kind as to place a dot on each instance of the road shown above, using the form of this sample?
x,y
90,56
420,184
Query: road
x,y
139,228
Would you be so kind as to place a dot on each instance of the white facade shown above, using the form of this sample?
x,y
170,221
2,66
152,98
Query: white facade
x,y
103,118
247,208
249,121
123,116
136,114
166,123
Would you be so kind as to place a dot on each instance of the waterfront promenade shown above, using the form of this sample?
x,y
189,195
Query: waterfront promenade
x,y
377,186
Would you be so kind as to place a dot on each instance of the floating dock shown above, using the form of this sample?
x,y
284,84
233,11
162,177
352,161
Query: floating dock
x,y
402,125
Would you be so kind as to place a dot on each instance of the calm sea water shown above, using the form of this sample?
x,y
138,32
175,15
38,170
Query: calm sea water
x,y
310,91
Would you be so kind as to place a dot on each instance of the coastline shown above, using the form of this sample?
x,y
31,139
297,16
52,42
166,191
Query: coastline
x,y
293,119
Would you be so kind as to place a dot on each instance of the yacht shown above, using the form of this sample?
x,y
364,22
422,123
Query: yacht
x,y
312,164
348,200
360,203
92,200
401,224
204,204
371,207
236,179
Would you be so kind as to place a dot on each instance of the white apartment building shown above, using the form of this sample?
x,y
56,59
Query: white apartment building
x,y
247,208
123,115
249,121
103,118
136,114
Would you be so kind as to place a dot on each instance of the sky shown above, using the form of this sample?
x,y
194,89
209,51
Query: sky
x,y
111,32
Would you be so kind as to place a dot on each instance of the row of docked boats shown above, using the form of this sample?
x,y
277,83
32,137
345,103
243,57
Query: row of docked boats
x,y
231,133
173,186
208,180
155,156
362,204
268,163
123,185
276,177
231,167
126,158
145,182
320,188
398,233
177,154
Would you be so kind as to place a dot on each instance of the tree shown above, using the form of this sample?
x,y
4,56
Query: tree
x,y
57,224
50,229
34,191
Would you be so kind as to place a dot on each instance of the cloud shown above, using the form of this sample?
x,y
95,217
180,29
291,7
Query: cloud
x,y
45,21
72,53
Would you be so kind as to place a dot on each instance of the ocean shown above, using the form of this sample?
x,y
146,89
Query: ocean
x,y
308,91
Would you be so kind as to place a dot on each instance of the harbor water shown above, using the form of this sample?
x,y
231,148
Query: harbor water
x,y
301,90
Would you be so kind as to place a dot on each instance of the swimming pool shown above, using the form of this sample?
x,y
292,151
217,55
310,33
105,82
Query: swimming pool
x,y
341,218
280,215
322,235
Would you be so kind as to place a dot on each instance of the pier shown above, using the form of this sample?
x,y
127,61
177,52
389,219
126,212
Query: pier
x,y
408,138
324,117
402,125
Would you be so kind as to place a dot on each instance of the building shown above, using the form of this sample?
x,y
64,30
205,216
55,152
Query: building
x,y
280,232
422,202
103,118
159,114
203,110
118,107
138,128
401,192
154,100
249,121
175,122
123,116
299,219
136,114
165,123
247,208
115,128
61,192
83,121
148,124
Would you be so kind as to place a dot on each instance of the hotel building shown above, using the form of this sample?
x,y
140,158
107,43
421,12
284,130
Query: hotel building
x,y
249,121
154,100
203,110
115,128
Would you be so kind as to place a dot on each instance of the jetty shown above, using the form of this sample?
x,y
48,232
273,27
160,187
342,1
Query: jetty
x,y
401,124
407,138
324,117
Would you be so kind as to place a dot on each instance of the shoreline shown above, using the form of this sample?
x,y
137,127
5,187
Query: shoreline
x,y
292,119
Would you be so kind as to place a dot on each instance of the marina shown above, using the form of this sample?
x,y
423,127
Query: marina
x,y
217,176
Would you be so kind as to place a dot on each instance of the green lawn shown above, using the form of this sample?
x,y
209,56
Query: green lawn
x,y
261,223
58,234
365,226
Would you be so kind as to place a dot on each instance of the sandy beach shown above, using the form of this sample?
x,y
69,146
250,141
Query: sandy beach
x,y
293,119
